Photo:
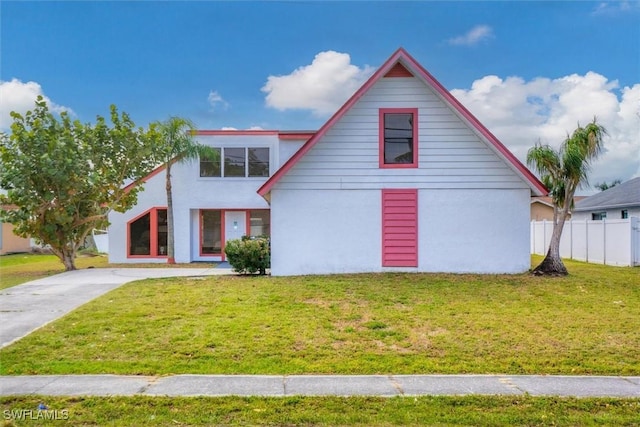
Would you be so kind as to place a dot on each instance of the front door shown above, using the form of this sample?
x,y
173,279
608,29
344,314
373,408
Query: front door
x,y
235,225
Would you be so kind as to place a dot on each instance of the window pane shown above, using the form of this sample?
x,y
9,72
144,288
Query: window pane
x,y
258,162
260,222
139,236
398,138
211,233
162,232
210,167
234,162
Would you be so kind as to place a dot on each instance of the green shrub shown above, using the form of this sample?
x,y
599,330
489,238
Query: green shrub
x,y
249,255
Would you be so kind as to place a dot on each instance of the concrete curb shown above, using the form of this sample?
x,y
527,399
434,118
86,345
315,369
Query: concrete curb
x,y
321,385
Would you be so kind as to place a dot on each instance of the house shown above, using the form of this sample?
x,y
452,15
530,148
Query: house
x,y
10,243
401,178
619,202
542,208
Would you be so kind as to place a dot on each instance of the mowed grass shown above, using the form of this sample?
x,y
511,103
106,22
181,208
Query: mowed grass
x,y
586,323
331,411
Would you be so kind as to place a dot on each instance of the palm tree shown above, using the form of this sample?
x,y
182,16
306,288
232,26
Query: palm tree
x,y
562,172
178,145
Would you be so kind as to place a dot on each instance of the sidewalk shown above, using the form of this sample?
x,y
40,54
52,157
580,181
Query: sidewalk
x,y
320,385
27,307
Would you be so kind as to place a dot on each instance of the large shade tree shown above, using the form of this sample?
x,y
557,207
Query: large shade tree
x,y
178,145
563,172
63,177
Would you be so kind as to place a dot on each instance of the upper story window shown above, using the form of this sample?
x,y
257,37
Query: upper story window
x,y
237,162
398,137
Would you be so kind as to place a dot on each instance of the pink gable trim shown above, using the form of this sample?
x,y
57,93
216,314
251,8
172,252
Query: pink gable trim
x,y
408,61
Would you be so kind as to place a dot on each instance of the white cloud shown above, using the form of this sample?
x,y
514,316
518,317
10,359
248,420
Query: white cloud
x,y
522,112
215,99
615,8
20,97
322,86
473,36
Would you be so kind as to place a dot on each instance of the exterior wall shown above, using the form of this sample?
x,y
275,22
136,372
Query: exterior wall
x,y
10,243
339,231
450,154
192,193
611,213
540,211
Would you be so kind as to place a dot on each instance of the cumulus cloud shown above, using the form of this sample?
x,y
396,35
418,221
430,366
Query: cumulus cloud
x,y
215,99
615,8
19,96
520,113
322,86
474,36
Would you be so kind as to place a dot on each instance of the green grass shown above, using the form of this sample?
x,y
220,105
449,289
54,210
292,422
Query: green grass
x,y
586,323
333,411
20,268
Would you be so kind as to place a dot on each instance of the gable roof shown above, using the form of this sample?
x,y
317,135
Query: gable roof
x,y
412,67
622,195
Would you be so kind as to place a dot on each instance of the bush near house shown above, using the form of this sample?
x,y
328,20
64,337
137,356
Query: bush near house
x,y
249,255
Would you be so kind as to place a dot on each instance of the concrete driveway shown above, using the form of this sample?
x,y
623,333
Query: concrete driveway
x,y
27,307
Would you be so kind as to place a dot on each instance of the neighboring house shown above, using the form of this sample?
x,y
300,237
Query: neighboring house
x,y
401,178
10,243
542,208
619,202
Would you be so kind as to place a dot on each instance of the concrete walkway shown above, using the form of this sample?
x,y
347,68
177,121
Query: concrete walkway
x,y
27,307
320,385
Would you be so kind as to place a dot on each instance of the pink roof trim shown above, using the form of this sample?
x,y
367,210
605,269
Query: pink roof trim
x,y
407,60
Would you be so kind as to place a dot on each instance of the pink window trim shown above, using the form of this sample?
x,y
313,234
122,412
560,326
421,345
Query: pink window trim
x,y
400,210
153,237
381,114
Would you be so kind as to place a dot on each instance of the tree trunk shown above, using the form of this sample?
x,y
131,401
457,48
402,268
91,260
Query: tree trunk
x,y
170,250
552,264
67,256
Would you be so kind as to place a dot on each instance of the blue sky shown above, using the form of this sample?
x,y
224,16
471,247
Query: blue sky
x,y
254,64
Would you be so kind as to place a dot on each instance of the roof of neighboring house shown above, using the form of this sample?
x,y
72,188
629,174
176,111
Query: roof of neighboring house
x,y
409,66
548,200
622,195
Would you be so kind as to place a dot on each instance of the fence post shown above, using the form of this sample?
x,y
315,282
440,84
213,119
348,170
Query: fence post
x,y
586,239
604,241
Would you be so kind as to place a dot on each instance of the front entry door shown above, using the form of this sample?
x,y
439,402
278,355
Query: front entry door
x,y
235,225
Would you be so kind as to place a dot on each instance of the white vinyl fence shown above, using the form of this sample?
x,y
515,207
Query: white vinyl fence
x,y
611,242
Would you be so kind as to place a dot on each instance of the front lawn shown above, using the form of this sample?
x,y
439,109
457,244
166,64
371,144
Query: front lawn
x,y
324,411
586,323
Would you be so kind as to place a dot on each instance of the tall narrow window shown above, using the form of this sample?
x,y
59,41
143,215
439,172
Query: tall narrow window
x,y
398,138
260,223
258,162
211,167
624,214
148,234
234,161
211,232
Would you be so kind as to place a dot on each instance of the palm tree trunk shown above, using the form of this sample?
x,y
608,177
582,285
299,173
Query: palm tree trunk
x,y
170,240
552,264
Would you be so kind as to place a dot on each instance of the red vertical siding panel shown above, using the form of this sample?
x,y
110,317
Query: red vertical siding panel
x,y
400,228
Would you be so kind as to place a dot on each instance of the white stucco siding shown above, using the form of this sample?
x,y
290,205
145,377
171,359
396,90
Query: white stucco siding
x,y
318,232
479,231
340,231
451,155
